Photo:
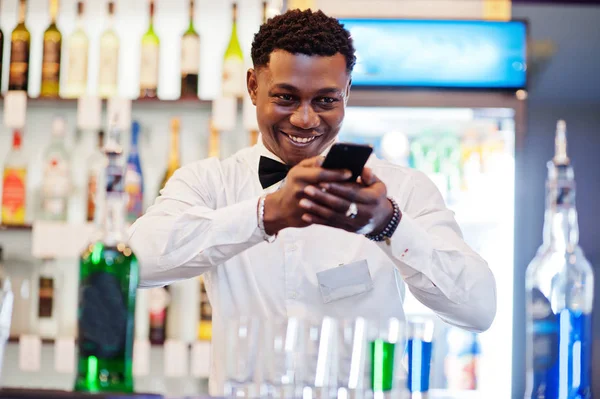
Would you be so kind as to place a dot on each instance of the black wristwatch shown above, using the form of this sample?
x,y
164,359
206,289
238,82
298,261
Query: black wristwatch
x,y
391,227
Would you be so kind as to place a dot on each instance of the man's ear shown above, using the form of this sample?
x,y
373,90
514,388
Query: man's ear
x,y
252,84
347,93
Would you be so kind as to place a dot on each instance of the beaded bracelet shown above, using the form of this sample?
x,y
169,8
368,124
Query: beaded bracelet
x,y
261,220
391,227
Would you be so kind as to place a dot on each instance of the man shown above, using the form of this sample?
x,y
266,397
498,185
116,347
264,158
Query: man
x,y
265,249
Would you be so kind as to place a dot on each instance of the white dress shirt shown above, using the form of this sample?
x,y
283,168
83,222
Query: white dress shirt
x,y
205,222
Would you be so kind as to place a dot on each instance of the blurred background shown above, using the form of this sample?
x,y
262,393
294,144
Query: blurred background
x,y
468,91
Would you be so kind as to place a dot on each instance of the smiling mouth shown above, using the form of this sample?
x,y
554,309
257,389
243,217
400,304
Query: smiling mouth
x,y
300,140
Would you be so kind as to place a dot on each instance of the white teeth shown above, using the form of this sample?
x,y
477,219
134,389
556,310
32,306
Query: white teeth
x,y
302,139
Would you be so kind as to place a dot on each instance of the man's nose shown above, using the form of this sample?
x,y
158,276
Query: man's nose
x,y
305,117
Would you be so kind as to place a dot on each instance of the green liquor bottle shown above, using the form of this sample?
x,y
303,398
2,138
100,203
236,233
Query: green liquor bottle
x,y
108,282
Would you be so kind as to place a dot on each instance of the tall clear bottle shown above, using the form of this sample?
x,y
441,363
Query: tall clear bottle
x,y
134,178
234,74
96,166
109,58
108,280
190,58
56,179
149,60
560,291
77,72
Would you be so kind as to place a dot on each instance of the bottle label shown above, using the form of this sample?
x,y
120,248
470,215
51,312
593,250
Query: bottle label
x,y
46,297
190,55
149,69
103,317
159,300
114,179
13,195
233,77
55,190
109,65
51,63
78,63
561,350
91,197
545,332
133,187
19,65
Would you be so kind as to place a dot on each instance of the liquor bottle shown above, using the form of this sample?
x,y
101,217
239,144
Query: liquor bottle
x,y
51,56
190,58
47,304
108,279
159,299
56,178
150,59
560,291
109,58
77,72
234,75
173,162
205,323
14,186
97,165
19,53
134,181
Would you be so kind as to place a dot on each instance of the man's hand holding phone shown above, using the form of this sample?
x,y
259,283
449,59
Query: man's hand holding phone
x,y
283,209
337,192
331,204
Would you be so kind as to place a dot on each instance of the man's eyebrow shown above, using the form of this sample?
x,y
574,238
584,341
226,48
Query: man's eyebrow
x,y
285,86
325,90
330,90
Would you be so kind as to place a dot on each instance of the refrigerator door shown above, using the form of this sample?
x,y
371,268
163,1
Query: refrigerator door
x,y
469,153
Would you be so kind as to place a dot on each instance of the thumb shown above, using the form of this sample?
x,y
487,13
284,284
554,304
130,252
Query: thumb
x,y
367,177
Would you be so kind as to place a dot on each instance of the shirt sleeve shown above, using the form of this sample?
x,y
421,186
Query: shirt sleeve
x,y
439,268
182,235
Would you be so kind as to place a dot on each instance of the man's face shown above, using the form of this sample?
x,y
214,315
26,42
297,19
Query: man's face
x,y
300,102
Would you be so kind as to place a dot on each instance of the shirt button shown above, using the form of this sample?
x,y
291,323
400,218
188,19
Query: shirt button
x,y
292,247
293,295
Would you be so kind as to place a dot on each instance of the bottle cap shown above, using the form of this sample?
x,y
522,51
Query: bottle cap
x,y
560,144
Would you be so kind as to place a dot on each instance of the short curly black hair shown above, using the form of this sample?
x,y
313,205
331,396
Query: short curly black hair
x,y
303,32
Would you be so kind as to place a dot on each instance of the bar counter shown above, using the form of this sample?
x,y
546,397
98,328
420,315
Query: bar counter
x,y
15,393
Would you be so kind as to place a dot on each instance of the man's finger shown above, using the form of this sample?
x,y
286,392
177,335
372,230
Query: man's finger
x,y
368,178
352,192
329,200
317,175
312,162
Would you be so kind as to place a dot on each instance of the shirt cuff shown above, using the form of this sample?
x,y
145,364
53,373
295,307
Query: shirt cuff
x,y
412,247
212,233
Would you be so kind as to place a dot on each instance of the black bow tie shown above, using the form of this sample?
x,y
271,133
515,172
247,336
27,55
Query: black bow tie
x,y
271,171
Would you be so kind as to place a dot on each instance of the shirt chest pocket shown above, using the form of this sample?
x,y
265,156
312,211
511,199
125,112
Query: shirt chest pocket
x,y
344,281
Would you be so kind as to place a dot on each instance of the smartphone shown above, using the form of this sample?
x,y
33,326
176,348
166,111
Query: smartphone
x,y
348,156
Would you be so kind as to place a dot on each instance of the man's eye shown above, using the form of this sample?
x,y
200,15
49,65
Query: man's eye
x,y
285,97
326,100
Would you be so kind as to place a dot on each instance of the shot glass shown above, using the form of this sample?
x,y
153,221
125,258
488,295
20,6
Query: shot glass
x,y
419,350
241,354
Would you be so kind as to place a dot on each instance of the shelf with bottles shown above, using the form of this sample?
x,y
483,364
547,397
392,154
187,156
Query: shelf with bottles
x,y
70,67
